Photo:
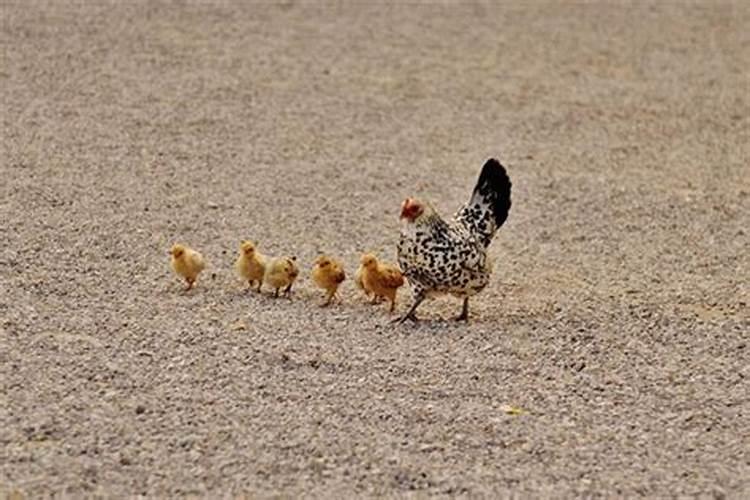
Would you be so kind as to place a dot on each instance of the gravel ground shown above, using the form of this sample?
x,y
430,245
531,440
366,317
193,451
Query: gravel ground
x,y
617,319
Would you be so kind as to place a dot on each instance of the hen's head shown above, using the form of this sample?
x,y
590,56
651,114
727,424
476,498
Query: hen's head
x,y
411,209
177,251
247,248
368,260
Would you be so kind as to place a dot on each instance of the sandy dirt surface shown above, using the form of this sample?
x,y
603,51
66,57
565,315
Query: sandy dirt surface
x,y
617,318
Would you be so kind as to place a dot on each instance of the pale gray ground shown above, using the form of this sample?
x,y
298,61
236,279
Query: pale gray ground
x,y
617,317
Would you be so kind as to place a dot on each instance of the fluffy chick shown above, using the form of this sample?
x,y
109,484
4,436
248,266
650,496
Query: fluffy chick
x,y
281,272
361,286
187,263
380,278
250,264
328,274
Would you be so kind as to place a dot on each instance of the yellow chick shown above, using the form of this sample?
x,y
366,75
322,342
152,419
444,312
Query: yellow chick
x,y
250,264
281,272
328,274
381,279
187,263
361,286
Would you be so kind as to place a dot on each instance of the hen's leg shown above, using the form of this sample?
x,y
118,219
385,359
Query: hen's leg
x,y
464,316
419,296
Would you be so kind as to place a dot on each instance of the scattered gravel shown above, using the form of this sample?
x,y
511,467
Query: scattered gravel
x,y
609,357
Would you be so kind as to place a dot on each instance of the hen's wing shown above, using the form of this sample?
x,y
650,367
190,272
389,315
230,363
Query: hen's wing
x,y
489,205
439,256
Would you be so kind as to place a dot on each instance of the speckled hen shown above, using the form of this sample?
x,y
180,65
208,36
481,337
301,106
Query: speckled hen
x,y
439,256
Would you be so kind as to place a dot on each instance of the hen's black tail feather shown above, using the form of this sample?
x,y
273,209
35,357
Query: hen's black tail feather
x,y
494,184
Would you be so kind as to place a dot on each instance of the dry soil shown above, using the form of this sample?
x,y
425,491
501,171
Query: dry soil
x,y
616,322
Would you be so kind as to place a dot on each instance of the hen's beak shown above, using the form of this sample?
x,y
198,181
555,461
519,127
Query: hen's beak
x,y
404,207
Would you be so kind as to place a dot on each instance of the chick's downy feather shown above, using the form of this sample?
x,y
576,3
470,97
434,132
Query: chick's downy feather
x,y
187,263
380,279
281,272
328,274
358,279
250,264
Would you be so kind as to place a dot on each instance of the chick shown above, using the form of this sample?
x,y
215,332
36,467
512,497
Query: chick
x,y
187,263
382,279
281,272
361,286
251,264
328,274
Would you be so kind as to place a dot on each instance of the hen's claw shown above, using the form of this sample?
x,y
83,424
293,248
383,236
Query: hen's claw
x,y
402,319
464,316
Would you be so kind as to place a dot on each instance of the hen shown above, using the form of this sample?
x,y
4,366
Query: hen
x,y
439,256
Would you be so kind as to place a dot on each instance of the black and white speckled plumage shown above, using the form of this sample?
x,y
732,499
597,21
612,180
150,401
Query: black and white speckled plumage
x,y
489,205
439,256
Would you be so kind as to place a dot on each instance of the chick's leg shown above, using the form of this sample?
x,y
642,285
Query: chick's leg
x,y
464,316
288,290
329,297
260,283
